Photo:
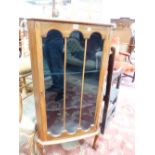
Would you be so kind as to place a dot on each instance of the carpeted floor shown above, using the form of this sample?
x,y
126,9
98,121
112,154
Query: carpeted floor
x,y
119,134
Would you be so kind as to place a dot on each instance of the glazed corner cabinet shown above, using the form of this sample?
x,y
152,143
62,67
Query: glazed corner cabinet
x,y
69,66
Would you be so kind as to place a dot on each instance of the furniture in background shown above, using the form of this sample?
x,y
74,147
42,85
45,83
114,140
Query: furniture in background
x,y
124,42
24,76
25,80
111,92
130,58
27,122
20,108
68,98
125,58
123,29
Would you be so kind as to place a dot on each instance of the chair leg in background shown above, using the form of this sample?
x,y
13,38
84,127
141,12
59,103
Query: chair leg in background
x,y
133,79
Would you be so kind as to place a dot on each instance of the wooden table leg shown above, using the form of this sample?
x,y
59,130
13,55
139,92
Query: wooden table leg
x,y
20,108
94,143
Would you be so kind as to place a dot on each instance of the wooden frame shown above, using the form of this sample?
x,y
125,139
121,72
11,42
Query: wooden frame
x,y
38,28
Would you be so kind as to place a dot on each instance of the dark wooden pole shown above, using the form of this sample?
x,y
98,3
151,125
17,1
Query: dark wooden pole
x,y
108,89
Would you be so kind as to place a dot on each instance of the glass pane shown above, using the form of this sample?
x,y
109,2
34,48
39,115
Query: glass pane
x,y
53,61
92,67
75,55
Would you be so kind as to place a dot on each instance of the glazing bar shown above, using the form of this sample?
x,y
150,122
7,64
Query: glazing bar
x,y
82,83
64,101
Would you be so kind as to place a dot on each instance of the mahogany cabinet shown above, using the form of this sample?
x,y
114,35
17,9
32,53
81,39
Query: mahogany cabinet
x,y
69,66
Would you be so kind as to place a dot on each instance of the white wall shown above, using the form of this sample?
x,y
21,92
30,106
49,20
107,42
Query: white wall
x,y
100,11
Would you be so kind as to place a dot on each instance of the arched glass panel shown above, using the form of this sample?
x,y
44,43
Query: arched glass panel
x,y
53,63
91,78
74,60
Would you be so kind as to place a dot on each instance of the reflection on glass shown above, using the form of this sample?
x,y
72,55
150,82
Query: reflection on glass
x,y
53,60
93,62
75,56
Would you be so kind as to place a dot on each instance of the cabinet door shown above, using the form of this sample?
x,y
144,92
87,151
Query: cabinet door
x,y
66,67
80,79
